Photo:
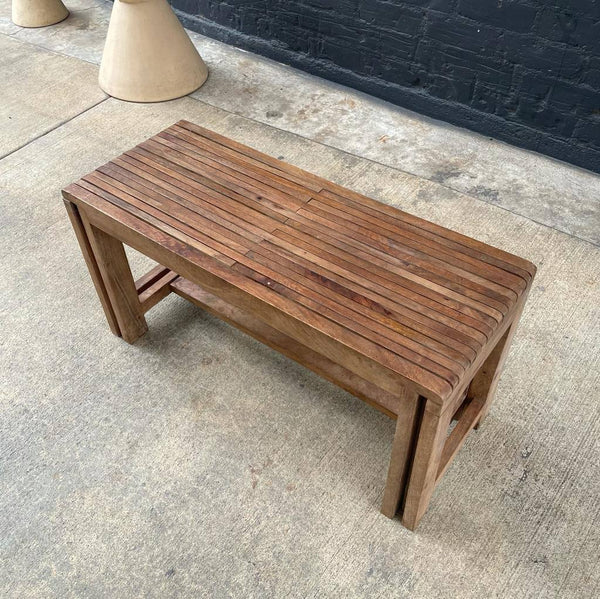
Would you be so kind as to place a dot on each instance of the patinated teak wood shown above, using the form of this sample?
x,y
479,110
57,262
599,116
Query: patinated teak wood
x,y
411,317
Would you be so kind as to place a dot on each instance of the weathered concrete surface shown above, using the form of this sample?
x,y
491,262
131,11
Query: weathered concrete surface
x,y
198,463
29,109
6,25
547,191
81,35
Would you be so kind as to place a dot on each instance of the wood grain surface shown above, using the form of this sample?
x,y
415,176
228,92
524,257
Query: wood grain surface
x,y
417,300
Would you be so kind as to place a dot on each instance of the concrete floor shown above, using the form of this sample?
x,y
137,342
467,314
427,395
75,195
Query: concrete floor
x,y
198,463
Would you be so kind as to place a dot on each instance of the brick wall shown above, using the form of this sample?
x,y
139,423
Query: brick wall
x,y
524,71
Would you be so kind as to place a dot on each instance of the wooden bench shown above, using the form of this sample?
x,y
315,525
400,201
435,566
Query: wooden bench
x,y
411,317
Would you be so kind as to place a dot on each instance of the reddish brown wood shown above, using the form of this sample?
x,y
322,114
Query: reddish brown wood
x,y
151,277
385,402
92,264
403,313
118,280
154,286
466,421
484,383
407,425
431,438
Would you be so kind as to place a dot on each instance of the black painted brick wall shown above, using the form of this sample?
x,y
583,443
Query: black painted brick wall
x,y
525,71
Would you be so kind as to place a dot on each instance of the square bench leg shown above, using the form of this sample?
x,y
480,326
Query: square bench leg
x,y
484,383
434,449
90,260
431,439
109,269
406,427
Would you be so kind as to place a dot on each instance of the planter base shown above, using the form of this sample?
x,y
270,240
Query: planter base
x,y
148,56
38,13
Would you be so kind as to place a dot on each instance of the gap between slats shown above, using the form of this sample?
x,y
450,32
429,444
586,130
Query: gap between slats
x,y
410,359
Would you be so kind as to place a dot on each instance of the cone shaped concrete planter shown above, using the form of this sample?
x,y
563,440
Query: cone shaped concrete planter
x,y
38,13
148,56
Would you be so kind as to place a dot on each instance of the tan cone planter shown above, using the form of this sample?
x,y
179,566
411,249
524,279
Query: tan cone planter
x,y
38,13
148,56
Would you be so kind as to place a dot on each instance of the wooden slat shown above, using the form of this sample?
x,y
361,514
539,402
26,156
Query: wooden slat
x,y
171,176
212,170
399,273
154,286
254,155
480,250
360,303
426,295
173,214
303,296
467,301
483,251
347,380
252,228
376,302
272,166
331,257
269,180
206,245
147,280
412,283
401,262
420,246
379,290
359,355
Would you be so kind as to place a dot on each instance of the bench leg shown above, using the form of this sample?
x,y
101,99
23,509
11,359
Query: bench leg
x,y
90,260
117,280
484,383
406,426
425,465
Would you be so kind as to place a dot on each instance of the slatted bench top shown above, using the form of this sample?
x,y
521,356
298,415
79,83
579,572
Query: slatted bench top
x,y
405,299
